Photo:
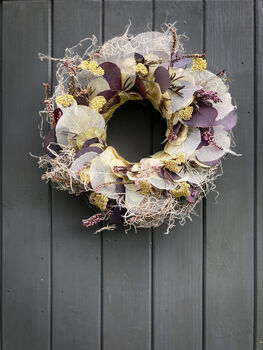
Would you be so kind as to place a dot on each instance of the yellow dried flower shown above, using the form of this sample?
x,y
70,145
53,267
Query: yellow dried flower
x,y
140,68
183,191
84,176
145,186
91,66
100,201
180,158
97,102
65,100
186,113
199,64
171,165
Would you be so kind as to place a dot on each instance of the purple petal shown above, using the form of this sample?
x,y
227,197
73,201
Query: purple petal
x,y
229,121
193,195
162,77
57,114
202,118
120,188
210,163
168,175
108,94
139,87
177,128
117,216
203,141
87,149
112,74
51,138
82,100
138,58
111,96
91,141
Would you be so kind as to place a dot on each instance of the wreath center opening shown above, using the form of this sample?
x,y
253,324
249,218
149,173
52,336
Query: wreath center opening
x,y
136,130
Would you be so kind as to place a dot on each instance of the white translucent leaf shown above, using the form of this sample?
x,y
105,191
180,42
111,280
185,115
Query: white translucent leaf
x,y
194,177
152,42
133,198
160,183
188,147
100,174
81,161
224,107
179,102
210,153
76,120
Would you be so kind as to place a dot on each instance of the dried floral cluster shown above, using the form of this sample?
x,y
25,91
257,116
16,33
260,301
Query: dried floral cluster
x,y
195,103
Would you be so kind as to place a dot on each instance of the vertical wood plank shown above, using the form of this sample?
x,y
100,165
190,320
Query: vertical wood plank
x,y
26,211
127,257
229,225
259,188
178,256
76,251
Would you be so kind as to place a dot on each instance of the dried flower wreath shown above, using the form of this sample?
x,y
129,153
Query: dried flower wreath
x,y
195,103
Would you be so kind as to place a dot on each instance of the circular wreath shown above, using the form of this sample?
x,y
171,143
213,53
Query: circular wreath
x,y
195,103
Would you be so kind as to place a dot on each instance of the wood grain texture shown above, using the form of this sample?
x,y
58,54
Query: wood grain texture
x,y
229,223
127,258
259,187
26,214
178,256
76,251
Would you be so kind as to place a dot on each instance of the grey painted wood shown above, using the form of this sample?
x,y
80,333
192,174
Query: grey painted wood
x,y
127,258
178,256
146,290
26,215
259,188
229,224
76,251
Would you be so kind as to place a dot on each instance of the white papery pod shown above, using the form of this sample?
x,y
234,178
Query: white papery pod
x,y
100,174
75,120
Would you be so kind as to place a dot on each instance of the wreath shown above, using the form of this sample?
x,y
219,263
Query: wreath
x,y
93,81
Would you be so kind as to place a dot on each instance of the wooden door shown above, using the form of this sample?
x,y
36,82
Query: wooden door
x,y
63,288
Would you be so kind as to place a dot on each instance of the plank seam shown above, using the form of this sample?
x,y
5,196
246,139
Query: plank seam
x,y
1,188
204,231
51,82
152,231
102,235
255,178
